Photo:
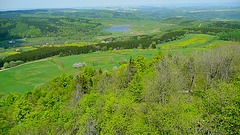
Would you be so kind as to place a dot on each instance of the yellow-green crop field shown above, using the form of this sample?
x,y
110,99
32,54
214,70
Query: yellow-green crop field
x,y
189,43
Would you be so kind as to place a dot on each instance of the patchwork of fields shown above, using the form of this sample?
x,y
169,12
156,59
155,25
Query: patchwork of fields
x,y
26,77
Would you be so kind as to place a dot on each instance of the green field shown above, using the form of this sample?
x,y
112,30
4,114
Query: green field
x,y
26,77
106,60
189,43
7,52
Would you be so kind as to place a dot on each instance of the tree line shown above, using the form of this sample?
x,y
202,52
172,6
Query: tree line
x,y
45,52
143,41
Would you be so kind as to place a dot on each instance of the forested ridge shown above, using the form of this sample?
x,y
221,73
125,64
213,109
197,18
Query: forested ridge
x,y
29,27
76,13
197,93
137,13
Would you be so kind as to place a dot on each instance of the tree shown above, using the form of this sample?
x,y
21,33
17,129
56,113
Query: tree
x,y
33,32
141,63
12,64
60,54
77,65
21,109
6,65
89,71
104,48
136,86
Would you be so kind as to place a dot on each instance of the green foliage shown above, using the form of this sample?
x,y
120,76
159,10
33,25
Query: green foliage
x,y
44,52
233,36
141,63
61,54
135,99
21,109
89,71
172,94
12,63
104,48
49,27
6,65
11,98
136,86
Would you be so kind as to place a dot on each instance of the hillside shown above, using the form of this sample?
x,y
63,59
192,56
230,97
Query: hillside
x,y
198,92
171,70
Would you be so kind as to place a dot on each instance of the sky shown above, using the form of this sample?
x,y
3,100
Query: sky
x,y
36,4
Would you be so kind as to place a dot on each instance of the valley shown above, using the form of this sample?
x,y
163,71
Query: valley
x,y
120,70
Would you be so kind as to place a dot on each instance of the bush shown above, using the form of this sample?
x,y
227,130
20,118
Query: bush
x,y
12,63
6,65
18,62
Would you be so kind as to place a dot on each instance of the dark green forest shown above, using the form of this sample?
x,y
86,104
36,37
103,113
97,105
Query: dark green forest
x,y
29,27
196,93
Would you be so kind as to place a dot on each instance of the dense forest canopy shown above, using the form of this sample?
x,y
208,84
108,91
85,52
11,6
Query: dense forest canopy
x,y
29,27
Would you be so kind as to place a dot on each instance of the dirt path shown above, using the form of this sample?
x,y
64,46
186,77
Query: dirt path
x,y
25,64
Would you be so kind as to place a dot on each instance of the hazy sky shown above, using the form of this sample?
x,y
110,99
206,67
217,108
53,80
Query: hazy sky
x,y
19,4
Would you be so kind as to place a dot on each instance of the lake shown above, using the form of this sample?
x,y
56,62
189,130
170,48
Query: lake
x,y
118,28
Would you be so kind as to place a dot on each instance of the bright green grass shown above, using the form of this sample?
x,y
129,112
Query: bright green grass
x,y
40,39
105,60
189,43
26,77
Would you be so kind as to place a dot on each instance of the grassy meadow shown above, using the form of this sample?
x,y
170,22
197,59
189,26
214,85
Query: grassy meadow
x,y
105,60
190,43
26,77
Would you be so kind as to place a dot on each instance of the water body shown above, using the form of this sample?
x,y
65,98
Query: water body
x,y
118,28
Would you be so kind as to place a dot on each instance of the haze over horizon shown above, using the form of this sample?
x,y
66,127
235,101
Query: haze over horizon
x,y
36,4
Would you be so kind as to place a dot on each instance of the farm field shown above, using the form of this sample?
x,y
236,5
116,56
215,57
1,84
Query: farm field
x,y
189,43
28,76
24,78
7,52
106,60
